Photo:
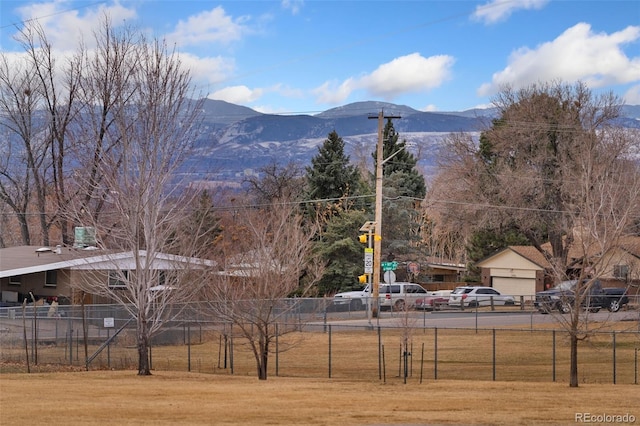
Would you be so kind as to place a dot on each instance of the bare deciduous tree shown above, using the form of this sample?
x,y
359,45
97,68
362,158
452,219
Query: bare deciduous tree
x,y
556,167
57,86
267,258
106,85
153,125
277,182
23,153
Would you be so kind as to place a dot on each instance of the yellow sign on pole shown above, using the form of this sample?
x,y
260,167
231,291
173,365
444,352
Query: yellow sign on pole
x,y
368,261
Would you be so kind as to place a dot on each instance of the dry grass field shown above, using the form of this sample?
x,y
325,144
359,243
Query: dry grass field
x,y
180,398
328,378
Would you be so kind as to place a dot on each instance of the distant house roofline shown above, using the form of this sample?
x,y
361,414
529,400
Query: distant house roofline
x,y
22,260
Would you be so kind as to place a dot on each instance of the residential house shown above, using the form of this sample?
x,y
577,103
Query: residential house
x,y
515,270
524,270
49,273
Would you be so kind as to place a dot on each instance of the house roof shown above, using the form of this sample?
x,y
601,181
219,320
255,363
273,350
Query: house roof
x,y
23,260
528,252
532,254
440,263
629,244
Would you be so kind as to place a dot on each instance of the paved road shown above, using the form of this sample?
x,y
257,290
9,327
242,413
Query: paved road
x,y
472,319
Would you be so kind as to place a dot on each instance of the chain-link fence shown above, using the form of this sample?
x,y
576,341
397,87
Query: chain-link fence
x,y
316,340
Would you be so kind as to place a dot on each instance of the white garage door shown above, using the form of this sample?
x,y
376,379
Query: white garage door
x,y
515,286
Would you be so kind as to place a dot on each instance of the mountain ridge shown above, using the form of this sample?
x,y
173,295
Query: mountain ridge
x,y
239,141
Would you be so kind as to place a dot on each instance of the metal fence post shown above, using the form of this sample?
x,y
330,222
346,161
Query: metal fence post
x,y
435,353
553,374
380,354
635,367
614,356
494,354
329,350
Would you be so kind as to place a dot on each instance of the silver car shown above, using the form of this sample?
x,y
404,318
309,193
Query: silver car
x,y
469,296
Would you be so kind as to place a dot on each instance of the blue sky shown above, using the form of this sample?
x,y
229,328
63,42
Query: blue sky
x,y
308,56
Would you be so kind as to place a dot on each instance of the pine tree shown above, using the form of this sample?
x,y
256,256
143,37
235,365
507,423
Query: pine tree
x,y
331,179
330,175
400,160
331,183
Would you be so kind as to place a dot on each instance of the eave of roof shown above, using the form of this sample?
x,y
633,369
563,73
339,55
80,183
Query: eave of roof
x,y
27,260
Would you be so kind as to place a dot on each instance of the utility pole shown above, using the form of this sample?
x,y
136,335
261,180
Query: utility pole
x,y
377,240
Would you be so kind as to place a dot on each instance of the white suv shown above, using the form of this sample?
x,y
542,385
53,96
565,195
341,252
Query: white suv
x,y
400,296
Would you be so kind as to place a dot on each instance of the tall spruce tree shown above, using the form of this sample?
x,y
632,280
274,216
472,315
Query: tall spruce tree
x,y
400,160
332,182
331,178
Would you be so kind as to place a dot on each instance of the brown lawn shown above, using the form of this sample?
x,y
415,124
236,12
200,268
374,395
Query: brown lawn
x,y
123,398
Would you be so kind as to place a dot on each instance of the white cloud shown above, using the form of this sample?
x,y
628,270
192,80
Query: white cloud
x,y
293,5
208,70
577,54
632,96
406,74
212,26
240,95
499,10
65,28
243,95
429,108
333,93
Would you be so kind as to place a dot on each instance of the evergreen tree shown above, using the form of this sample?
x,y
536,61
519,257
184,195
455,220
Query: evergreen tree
x,y
339,246
330,176
400,160
331,182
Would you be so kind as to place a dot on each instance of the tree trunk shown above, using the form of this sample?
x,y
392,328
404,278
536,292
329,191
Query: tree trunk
x,y
573,378
24,229
143,349
264,360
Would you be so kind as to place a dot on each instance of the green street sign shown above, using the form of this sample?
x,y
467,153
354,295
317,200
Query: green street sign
x,y
389,266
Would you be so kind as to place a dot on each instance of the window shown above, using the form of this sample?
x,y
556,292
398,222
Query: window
x,y
118,279
51,278
415,289
15,280
621,271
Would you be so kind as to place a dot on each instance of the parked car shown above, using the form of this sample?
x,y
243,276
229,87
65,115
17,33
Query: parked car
x,y
354,300
400,296
433,300
562,297
472,296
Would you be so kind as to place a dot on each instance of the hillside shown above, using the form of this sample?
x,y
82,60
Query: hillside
x,y
238,140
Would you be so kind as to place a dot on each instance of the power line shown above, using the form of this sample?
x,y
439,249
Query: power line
x,y
428,200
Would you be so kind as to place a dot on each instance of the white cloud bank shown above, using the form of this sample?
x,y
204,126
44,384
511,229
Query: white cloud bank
x,y
577,54
406,74
66,28
210,26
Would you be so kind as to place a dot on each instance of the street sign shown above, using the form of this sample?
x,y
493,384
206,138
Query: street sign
x,y
389,277
389,266
368,261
